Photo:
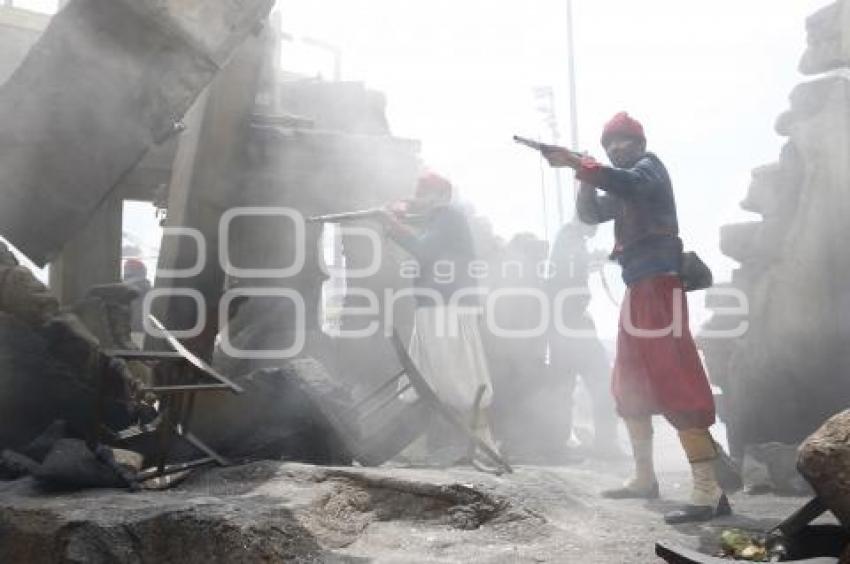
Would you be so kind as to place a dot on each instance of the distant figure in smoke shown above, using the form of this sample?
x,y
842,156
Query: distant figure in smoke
x,y
446,342
657,369
518,362
581,353
136,275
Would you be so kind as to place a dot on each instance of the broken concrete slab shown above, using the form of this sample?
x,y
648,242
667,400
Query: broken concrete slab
x,y
39,385
105,526
120,75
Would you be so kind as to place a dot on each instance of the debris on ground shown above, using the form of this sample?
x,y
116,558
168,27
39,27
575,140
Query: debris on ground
x,y
742,545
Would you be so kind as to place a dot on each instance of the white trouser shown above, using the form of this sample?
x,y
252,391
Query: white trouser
x,y
446,347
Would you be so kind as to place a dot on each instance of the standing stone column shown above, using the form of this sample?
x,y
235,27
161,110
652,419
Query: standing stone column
x,y
789,373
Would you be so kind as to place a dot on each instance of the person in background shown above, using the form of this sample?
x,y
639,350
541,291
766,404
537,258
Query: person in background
x,y
518,361
577,350
446,341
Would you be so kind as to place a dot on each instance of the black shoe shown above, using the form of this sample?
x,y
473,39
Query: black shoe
x,y
628,492
699,513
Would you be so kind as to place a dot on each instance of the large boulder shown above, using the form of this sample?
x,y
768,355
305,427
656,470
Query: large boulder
x,y
825,462
292,412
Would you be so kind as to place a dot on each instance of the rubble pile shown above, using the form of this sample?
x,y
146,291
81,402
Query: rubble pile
x,y
53,370
49,363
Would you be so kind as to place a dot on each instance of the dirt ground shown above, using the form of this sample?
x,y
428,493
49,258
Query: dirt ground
x,y
277,512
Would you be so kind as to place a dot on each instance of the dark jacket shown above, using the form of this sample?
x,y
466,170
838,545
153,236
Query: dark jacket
x,y
640,201
444,238
570,264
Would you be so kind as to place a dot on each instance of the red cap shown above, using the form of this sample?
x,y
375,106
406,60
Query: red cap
x,y
622,124
433,182
134,266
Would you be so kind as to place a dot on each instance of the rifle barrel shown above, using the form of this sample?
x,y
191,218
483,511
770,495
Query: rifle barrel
x,y
363,214
344,216
536,145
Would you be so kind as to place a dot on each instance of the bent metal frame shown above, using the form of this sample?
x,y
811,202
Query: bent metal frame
x,y
179,376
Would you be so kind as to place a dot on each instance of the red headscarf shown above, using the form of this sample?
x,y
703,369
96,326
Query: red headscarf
x,y
622,124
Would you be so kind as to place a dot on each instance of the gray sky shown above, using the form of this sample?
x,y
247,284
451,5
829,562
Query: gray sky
x,y
707,79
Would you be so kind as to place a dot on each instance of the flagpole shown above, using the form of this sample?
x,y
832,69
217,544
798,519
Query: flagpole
x,y
571,58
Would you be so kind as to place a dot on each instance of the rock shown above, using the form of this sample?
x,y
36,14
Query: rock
x,y
70,464
762,194
128,459
772,467
827,38
37,388
38,449
14,465
284,413
25,297
825,462
810,99
189,527
69,339
737,240
773,189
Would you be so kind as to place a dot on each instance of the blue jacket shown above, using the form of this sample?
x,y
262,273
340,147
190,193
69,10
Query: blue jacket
x,y
640,201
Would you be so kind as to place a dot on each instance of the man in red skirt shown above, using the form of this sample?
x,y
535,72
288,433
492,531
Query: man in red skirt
x,y
657,369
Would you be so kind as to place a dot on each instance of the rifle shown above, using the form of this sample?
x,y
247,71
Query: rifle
x,y
345,216
360,215
543,147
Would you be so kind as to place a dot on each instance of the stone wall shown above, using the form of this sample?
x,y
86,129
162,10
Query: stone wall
x,y
789,373
320,147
